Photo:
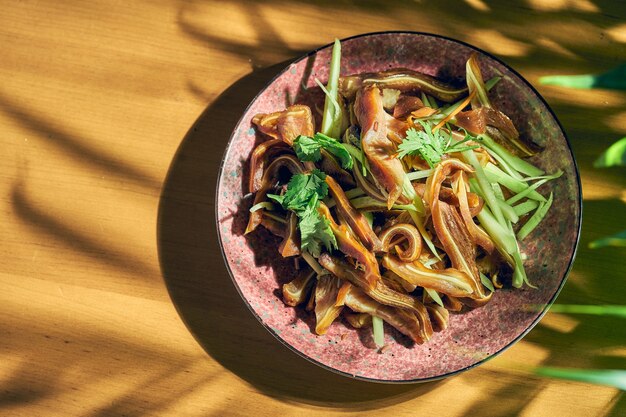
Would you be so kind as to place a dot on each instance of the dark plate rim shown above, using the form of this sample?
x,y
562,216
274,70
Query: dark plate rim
x,y
458,371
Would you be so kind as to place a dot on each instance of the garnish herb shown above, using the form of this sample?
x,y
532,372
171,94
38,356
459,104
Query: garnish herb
x,y
303,195
430,145
308,149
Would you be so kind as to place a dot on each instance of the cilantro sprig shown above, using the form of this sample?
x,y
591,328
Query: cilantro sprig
x,y
308,149
304,192
431,145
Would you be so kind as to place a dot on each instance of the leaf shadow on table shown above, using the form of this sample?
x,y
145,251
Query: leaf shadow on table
x,y
203,292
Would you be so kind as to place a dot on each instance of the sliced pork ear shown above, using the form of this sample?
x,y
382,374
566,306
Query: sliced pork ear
x,y
379,150
290,246
439,317
357,222
297,291
400,233
447,281
350,246
406,105
401,79
330,166
460,185
358,320
378,290
262,155
326,310
404,321
288,124
474,202
270,177
458,245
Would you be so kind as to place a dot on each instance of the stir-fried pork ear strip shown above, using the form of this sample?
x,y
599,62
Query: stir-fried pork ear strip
x,y
288,124
405,204
380,151
400,79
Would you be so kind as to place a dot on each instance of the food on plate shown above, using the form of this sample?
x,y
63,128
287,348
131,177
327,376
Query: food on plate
x,y
406,203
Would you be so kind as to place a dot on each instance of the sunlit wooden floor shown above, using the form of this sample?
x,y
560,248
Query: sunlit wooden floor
x,y
113,119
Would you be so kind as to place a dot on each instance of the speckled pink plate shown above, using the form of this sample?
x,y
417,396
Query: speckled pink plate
x,y
258,271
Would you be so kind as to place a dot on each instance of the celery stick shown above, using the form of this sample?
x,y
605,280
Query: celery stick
x,y
505,165
418,175
435,296
425,100
331,120
379,332
515,162
496,188
313,263
262,205
492,82
500,235
494,174
484,186
487,282
525,207
526,192
508,212
536,218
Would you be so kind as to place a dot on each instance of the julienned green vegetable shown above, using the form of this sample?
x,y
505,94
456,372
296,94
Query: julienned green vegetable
x,y
413,205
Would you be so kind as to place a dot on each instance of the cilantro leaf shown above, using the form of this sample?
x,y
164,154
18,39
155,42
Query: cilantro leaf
x,y
315,231
302,188
308,149
336,148
431,146
304,192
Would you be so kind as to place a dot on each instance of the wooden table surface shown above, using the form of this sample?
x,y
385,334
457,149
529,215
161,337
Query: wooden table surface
x,y
114,297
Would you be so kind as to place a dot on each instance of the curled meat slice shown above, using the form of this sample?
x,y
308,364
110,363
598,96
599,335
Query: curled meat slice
x,y
406,105
296,291
270,177
379,150
403,320
398,233
358,320
358,223
263,154
330,166
457,243
349,245
478,235
290,246
448,281
378,291
474,202
439,317
400,79
288,124
326,310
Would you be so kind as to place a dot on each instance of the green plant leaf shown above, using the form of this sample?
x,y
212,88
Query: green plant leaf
x,y
614,79
596,310
618,239
614,156
608,377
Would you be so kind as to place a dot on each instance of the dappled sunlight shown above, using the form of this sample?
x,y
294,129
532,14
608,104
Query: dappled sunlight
x,y
478,5
561,323
498,43
102,315
562,5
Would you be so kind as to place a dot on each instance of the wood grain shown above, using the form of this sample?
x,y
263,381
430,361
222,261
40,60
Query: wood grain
x,y
115,300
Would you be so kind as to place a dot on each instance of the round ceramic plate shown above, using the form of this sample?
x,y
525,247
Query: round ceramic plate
x,y
258,271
